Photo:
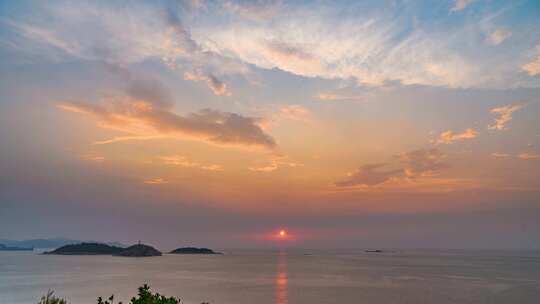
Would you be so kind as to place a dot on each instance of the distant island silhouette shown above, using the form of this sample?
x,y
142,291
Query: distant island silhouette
x,y
86,249
14,248
52,243
194,250
138,250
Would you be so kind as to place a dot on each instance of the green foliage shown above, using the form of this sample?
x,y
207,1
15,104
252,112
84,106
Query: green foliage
x,y
108,301
145,296
50,298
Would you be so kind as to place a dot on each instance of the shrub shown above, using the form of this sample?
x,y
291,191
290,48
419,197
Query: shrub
x,y
50,298
145,296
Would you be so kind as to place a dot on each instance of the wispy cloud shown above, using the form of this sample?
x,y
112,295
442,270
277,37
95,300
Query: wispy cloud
x,y
522,156
352,50
528,156
277,114
499,36
449,137
155,181
215,84
500,155
460,5
117,139
331,96
368,46
178,160
533,67
92,157
257,10
294,112
371,51
275,162
369,175
423,162
121,36
505,116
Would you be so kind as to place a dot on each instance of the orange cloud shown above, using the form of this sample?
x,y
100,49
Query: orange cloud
x,y
369,175
528,156
92,157
294,112
142,120
533,68
276,161
330,96
423,162
155,181
449,137
178,160
414,164
505,115
500,155
217,86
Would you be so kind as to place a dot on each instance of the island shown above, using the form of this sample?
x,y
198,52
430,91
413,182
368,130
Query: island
x,y
9,248
139,250
194,250
86,249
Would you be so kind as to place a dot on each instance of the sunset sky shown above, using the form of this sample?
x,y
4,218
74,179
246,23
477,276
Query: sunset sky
x,y
219,123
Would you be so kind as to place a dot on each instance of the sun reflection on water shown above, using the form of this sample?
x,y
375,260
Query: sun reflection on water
x,y
282,294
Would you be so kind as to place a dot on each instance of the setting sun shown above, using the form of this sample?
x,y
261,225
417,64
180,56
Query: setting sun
x,y
282,233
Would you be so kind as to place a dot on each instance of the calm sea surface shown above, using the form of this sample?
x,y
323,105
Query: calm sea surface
x,y
242,277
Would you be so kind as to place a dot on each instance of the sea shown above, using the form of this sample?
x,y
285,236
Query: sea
x,y
281,277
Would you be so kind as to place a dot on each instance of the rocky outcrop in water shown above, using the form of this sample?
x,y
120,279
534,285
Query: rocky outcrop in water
x,y
86,249
139,250
193,250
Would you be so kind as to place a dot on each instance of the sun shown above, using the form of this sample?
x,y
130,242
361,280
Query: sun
x,y
282,233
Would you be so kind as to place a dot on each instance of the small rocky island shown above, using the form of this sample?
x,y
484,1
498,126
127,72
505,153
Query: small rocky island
x,y
139,250
86,249
194,250
8,248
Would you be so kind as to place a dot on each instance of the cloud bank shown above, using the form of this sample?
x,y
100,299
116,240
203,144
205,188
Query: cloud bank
x,y
143,120
422,163
365,45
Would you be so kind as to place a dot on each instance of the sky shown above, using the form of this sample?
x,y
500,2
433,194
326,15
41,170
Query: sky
x,y
349,124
